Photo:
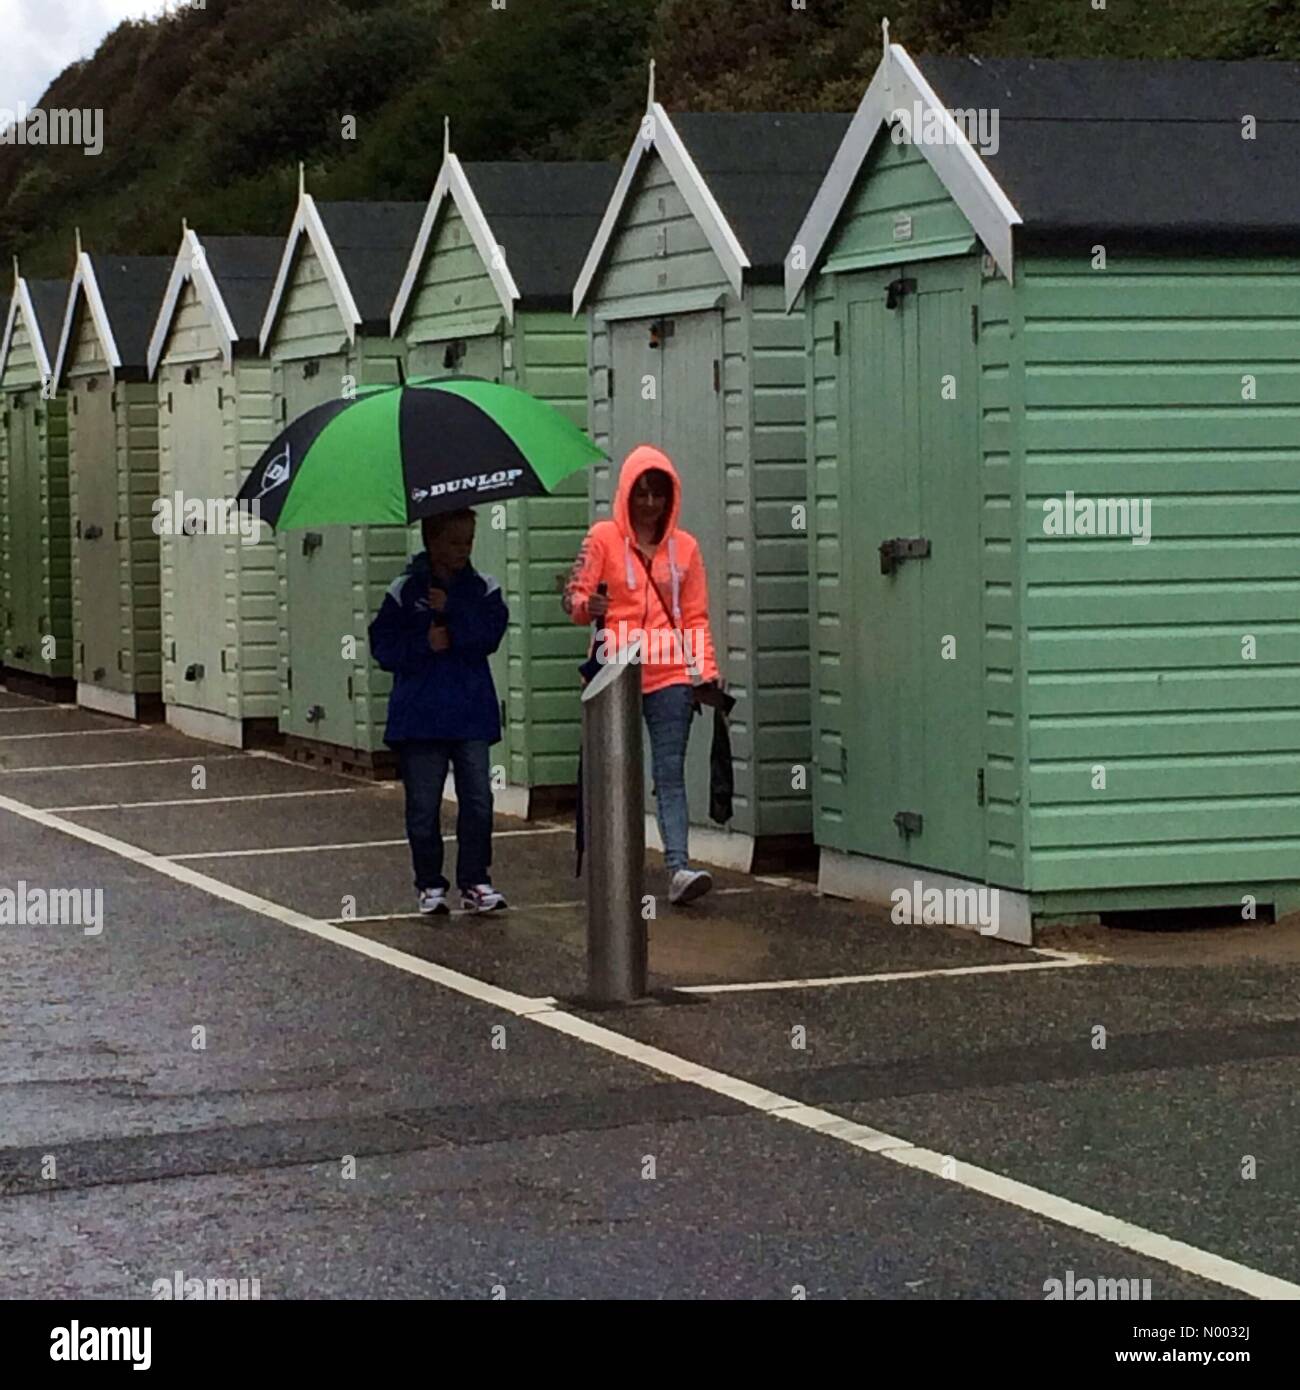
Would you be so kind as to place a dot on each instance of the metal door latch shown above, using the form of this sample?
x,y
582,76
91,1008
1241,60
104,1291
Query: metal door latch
x,y
896,290
908,822
194,672
894,552
98,674
315,714
92,533
311,542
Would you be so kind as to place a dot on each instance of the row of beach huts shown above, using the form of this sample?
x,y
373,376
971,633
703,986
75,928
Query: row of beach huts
x,y
884,350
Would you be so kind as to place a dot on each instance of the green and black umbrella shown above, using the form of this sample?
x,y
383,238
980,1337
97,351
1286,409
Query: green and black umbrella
x,y
392,454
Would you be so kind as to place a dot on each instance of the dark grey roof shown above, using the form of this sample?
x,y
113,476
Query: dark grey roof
x,y
244,268
763,168
1130,146
545,216
373,242
50,303
132,288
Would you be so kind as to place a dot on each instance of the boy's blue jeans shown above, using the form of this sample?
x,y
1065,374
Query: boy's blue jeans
x,y
424,765
668,713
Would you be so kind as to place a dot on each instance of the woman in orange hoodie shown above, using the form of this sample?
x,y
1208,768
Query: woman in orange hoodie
x,y
655,591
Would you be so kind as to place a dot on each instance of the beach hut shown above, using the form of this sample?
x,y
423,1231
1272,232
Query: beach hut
x,y
486,293
1054,381
326,332
220,602
35,575
112,419
690,349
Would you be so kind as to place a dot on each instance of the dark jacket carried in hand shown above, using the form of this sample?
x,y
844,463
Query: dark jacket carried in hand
x,y
440,695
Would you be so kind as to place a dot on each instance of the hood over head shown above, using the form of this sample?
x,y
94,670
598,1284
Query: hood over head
x,y
641,460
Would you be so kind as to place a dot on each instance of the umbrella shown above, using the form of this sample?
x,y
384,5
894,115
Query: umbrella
x,y
392,454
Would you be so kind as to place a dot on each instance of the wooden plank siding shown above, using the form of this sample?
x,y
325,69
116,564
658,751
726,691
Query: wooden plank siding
x,y
1134,388
310,326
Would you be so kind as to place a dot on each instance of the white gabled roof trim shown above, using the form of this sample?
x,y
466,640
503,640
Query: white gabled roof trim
x,y
192,264
84,282
897,84
21,302
669,146
307,222
452,181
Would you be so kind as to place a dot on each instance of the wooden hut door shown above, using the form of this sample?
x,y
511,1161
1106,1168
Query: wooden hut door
x,y
25,530
202,678
99,575
319,565
914,680
682,354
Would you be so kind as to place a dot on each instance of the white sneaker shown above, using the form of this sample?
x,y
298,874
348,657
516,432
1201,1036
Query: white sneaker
x,y
482,898
433,901
689,884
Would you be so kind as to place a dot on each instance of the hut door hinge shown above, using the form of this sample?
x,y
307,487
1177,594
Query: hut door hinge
x,y
894,552
717,375
169,402
221,399
908,822
112,401
974,323
74,404
609,383
837,337
844,760
289,678
284,408
979,787
349,688
896,290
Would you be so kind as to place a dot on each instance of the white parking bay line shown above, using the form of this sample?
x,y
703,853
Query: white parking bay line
x,y
823,981
31,709
75,733
1200,1264
351,844
198,760
202,800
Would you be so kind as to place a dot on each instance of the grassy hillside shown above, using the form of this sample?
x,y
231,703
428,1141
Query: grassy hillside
x,y
208,111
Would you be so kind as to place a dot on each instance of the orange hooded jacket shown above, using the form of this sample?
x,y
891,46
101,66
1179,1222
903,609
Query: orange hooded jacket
x,y
609,556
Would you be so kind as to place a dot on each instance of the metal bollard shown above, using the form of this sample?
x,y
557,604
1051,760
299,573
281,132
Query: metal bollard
x,y
614,819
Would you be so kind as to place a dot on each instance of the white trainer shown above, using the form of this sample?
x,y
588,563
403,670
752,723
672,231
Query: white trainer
x,y
433,902
689,884
482,898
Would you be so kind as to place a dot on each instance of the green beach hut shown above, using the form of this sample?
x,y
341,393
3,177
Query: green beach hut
x,y
326,332
1054,387
486,293
112,422
35,561
691,350
220,599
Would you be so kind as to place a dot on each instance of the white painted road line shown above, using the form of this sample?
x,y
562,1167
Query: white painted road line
x,y
317,849
201,800
823,981
198,760
77,733
31,709
1200,1264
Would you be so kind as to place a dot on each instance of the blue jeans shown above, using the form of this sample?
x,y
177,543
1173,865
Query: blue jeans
x,y
668,713
424,765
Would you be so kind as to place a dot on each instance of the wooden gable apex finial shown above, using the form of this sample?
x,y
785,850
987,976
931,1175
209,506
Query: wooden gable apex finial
x,y
884,36
302,179
446,137
650,88
76,234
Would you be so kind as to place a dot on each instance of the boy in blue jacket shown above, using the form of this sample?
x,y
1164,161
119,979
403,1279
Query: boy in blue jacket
x,y
437,626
